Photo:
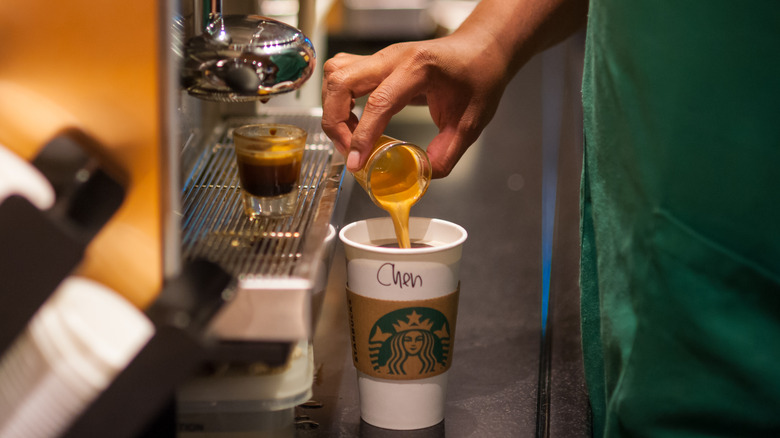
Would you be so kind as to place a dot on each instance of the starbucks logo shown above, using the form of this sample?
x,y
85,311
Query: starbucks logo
x,y
414,341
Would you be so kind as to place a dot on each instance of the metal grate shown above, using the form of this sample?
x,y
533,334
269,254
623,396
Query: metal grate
x,y
215,228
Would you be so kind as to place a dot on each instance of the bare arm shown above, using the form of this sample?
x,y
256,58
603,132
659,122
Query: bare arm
x,y
461,77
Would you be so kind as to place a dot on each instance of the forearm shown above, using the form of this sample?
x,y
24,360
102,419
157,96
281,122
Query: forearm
x,y
521,29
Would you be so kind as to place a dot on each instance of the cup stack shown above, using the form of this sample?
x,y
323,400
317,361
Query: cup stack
x,y
72,349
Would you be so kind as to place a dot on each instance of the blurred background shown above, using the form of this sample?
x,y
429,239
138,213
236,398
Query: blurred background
x,y
93,97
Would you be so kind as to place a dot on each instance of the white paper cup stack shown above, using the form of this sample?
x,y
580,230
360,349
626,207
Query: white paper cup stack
x,y
72,349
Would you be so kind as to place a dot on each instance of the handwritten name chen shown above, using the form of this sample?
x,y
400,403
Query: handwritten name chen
x,y
387,275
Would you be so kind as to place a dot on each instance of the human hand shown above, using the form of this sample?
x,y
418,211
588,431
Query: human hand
x,y
460,77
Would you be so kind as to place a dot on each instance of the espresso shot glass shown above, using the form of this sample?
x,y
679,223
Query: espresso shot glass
x,y
268,157
396,172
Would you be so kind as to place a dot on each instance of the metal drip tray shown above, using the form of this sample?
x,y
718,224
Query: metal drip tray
x,y
279,264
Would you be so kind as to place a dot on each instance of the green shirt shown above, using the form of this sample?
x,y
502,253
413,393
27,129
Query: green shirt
x,y
681,218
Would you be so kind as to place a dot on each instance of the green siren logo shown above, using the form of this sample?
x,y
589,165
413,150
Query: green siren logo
x,y
412,342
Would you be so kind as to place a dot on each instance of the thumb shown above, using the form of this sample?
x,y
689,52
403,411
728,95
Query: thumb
x,y
354,162
445,150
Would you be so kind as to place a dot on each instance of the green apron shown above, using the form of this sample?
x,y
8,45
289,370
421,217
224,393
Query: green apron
x,y
681,218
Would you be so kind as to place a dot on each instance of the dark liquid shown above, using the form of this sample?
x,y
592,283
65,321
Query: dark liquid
x,y
272,178
414,245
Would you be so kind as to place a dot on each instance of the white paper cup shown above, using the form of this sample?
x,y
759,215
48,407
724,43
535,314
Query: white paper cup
x,y
74,346
403,309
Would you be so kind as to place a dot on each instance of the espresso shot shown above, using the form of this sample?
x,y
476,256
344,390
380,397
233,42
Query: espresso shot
x,y
269,176
268,159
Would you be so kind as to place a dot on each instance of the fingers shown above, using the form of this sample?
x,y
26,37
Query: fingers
x,y
402,84
347,77
338,120
392,84
383,103
395,77
445,150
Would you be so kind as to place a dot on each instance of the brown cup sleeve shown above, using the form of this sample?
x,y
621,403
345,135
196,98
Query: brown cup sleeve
x,y
402,340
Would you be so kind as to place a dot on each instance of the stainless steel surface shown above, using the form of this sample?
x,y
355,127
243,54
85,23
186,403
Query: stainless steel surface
x,y
277,262
240,58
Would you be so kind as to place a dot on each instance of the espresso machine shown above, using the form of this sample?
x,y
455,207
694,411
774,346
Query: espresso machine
x,y
139,100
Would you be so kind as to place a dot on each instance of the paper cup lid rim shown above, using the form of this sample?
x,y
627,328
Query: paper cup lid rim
x,y
95,316
423,250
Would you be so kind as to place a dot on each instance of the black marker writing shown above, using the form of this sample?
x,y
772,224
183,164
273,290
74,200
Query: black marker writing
x,y
386,275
